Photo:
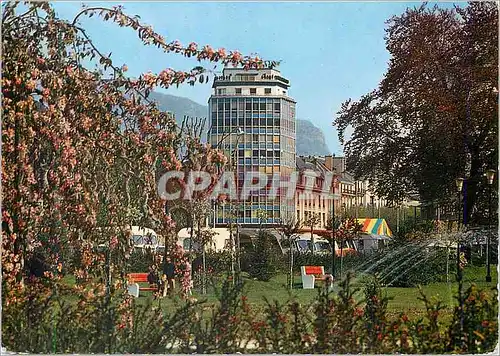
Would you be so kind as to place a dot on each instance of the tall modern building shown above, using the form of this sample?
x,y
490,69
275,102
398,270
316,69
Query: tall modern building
x,y
253,119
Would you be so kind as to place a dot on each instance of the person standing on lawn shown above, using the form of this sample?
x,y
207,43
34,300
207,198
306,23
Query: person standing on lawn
x,y
169,273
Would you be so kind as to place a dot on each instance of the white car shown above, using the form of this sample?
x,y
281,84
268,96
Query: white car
x,y
141,238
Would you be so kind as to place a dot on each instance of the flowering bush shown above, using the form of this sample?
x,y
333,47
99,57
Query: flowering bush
x,y
333,323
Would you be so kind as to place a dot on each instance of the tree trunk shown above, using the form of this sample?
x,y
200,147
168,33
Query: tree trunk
x,y
312,238
291,262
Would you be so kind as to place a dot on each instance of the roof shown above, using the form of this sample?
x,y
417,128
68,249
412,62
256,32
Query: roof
x,y
311,163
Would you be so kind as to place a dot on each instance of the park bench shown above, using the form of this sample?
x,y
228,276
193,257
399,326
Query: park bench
x,y
311,274
133,284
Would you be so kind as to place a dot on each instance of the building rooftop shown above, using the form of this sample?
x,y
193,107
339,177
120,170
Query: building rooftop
x,y
311,163
251,76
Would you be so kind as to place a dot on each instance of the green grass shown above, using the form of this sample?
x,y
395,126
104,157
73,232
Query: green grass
x,y
402,299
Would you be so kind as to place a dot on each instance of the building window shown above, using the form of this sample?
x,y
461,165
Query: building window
x,y
253,91
221,91
238,90
267,90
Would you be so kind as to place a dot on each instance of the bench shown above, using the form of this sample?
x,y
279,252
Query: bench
x,y
133,283
311,274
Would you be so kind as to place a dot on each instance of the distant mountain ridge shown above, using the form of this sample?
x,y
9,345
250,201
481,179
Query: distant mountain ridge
x,y
310,139
179,106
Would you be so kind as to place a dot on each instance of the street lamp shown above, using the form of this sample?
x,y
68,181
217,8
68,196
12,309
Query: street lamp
x,y
234,166
490,176
334,196
238,130
459,183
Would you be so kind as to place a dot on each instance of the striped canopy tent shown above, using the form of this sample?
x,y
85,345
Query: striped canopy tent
x,y
377,228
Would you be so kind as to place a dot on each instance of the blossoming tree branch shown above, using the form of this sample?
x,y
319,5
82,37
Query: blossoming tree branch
x,y
83,148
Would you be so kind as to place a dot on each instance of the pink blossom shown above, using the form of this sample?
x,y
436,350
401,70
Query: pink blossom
x,y
113,243
221,52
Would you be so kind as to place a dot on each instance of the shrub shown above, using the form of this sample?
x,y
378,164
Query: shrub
x,y
50,318
410,264
479,259
374,315
264,260
478,331
311,259
140,260
218,263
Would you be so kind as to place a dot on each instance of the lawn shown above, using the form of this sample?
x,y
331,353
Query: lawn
x,y
402,299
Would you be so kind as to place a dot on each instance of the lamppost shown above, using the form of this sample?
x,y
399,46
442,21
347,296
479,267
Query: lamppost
x,y
238,255
490,176
459,183
233,156
333,234
235,240
239,131
334,196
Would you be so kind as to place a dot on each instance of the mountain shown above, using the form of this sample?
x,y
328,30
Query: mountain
x,y
310,139
179,106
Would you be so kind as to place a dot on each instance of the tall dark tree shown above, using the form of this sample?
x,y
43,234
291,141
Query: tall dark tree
x,y
434,116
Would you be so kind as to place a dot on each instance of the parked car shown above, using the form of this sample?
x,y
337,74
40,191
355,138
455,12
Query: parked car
x,y
140,238
322,246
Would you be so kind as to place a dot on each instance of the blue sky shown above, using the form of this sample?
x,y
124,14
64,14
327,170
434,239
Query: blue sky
x,y
330,51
